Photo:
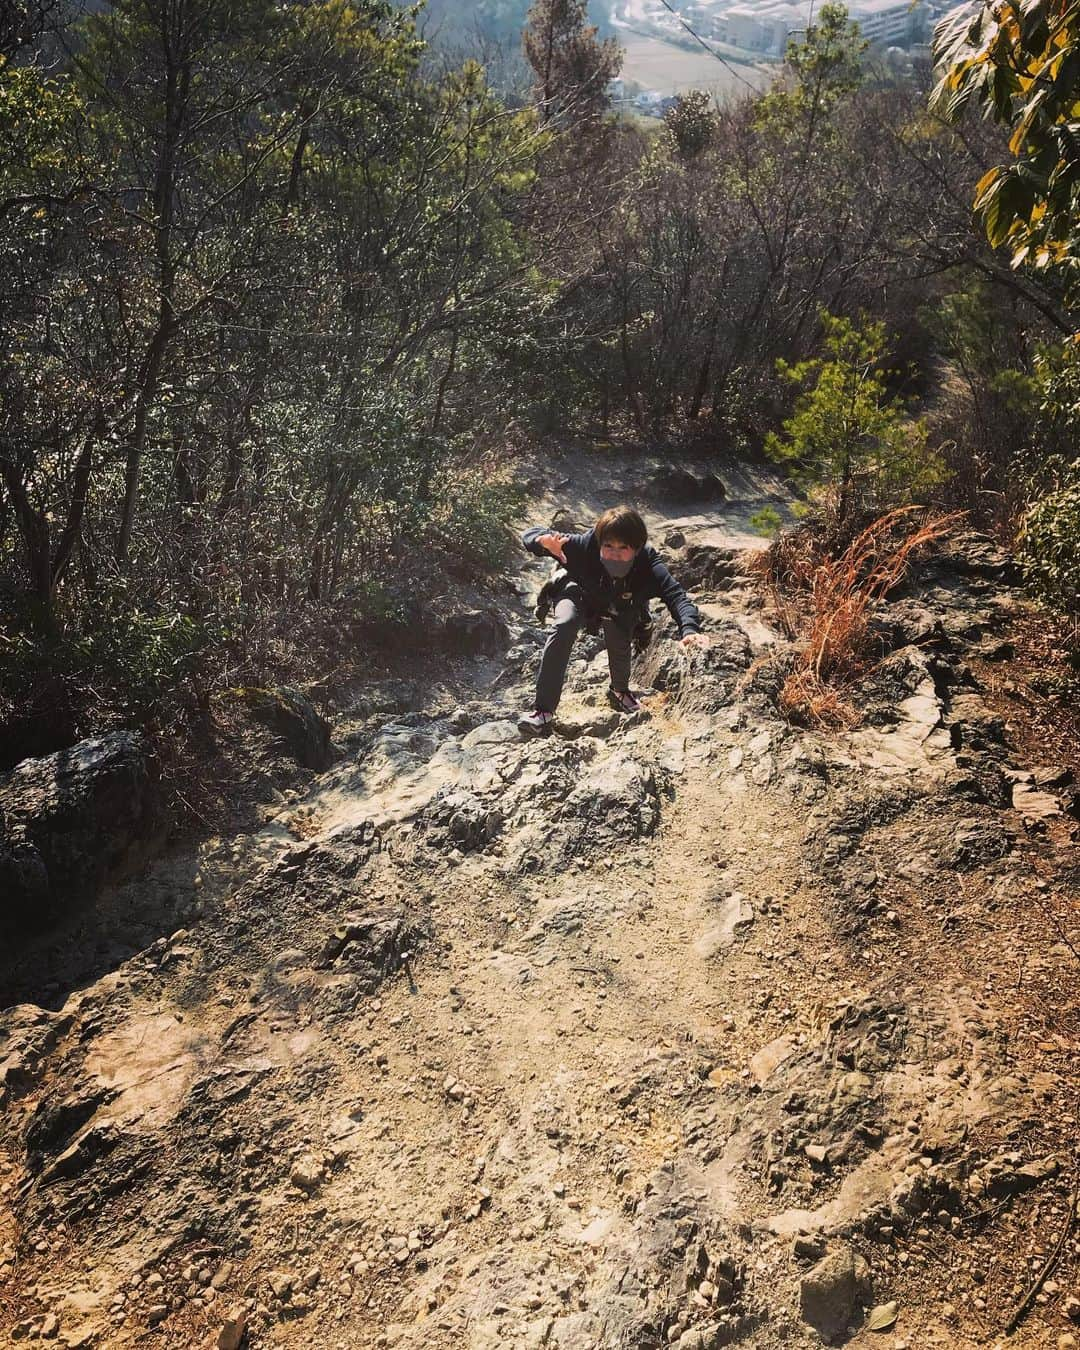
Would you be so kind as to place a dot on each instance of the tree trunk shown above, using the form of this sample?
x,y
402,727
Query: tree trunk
x,y
34,528
292,198
148,385
447,375
77,509
177,84
701,385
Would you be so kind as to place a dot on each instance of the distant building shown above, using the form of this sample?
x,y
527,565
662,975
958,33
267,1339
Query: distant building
x,y
890,22
761,28
767,26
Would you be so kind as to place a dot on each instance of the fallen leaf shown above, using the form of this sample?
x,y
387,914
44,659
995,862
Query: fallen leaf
x,y
882,1317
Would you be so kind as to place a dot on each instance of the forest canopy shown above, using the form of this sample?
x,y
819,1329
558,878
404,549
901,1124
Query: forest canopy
x,y
281,294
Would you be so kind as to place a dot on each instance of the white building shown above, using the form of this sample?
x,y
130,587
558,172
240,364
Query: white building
x,y
767,26
758,28
889,22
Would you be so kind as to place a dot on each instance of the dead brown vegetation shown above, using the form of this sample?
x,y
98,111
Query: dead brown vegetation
x,y
829,602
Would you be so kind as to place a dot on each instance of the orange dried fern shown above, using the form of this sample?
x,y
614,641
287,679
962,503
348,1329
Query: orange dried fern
x,y
844,593
806,700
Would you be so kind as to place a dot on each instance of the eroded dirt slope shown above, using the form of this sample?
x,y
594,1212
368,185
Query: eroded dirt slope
x,y
688,1028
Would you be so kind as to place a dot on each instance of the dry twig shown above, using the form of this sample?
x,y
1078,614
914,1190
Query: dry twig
x,y
1048,1265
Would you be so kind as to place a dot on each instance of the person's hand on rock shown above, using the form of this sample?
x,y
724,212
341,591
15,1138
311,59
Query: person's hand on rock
x,y
695,640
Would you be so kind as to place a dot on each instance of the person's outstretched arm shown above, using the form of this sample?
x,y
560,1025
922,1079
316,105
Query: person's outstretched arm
x,y
570,549
544,542
682,609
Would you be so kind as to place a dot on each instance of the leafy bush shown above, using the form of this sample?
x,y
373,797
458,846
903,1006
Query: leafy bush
x,y
473,505
1050,548
848,438
54,689
766,521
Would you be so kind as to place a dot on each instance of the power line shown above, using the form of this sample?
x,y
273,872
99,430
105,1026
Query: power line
x,y
711,50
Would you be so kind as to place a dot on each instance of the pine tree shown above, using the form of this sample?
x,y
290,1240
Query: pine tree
x,y
573,67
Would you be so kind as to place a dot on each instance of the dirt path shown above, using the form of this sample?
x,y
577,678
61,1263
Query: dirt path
x,y
688,1028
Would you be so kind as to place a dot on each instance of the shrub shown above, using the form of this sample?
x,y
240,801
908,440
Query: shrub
x,y
473,506
849,441
1050,549
766,521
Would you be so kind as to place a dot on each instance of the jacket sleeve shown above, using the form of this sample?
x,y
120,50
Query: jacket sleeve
x,y
576,546
682,608
529,538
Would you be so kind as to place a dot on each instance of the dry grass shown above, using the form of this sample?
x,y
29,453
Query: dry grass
x,y
805,699
830,601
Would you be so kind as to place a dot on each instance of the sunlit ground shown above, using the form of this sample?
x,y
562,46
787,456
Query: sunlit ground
x,y
659,65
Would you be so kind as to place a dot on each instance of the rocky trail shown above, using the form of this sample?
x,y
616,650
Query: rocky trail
x,y
687,1028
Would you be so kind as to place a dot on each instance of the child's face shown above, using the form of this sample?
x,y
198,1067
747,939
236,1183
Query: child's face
x,y
616,551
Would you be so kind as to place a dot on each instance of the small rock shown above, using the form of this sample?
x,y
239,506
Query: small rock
x,y
49,1327
827,1293
221,1276
306,1175
281,1282
770,1056
233,1329
1066,1341
81,1338
157,1313
1072,1309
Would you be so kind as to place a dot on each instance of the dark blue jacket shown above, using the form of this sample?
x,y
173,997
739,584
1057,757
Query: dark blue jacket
x,y
626,598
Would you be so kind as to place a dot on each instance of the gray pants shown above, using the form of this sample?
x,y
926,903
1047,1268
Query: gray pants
x,y
556,657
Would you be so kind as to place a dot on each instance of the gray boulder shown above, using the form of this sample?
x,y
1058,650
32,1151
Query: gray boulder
x,y
707,567
671,481
22,871
71,818
292,718
615,800
702,679
475,632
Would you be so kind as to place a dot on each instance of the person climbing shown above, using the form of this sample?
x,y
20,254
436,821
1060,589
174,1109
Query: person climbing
x,y
607,577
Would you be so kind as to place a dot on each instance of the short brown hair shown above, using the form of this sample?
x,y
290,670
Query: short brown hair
x,y
624,524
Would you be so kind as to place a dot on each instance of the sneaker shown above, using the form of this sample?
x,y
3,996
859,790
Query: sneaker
x,y
536,720
624,700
